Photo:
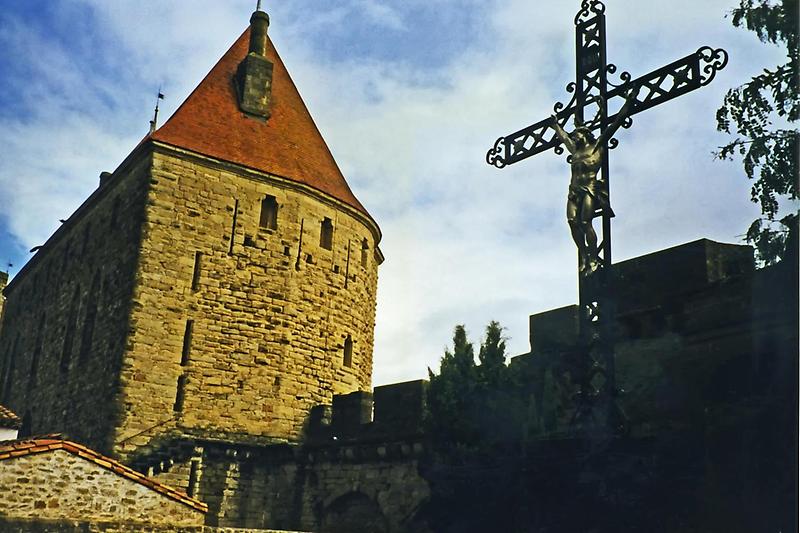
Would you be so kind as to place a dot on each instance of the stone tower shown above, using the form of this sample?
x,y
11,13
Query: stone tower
x,y
220,282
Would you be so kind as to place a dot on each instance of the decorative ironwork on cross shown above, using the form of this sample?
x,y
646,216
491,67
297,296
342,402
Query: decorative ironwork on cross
x,y
592,96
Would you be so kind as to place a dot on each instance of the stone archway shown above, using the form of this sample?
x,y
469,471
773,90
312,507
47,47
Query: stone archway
x,y
354,512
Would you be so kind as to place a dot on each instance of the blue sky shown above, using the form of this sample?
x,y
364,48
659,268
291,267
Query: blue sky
x,y
409,96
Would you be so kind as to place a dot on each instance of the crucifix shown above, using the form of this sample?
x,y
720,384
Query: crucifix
x,y
593,95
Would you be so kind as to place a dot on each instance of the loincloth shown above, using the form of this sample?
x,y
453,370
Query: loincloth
x,y
593,189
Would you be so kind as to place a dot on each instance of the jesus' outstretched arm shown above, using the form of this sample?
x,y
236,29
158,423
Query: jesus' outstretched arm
x,y
563,135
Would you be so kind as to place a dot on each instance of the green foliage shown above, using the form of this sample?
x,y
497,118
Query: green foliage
x,y
492,357
473,408
769,153
450,392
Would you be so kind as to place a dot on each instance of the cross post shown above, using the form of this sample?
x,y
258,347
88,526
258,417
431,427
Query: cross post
x,y
592,92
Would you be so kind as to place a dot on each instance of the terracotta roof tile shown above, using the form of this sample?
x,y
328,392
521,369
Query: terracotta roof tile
x,y
288,144
8,419
17,448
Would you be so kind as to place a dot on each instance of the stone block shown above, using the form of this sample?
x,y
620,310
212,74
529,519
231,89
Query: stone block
x,y
668,275
555,330
350,412
400,407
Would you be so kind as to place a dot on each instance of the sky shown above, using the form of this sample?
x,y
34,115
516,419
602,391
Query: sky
x,y
409,96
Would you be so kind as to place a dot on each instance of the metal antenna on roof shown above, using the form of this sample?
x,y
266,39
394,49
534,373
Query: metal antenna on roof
x,y
258,5
154,122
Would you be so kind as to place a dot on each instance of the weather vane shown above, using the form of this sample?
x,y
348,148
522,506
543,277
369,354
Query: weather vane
x,y
154,122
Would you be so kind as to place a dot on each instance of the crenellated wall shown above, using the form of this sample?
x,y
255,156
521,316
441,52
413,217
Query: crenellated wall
x,y
351,471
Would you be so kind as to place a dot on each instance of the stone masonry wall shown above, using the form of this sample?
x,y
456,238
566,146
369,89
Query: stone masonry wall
x,y
73,526
249,323
310,488
65,321
61,486
360,462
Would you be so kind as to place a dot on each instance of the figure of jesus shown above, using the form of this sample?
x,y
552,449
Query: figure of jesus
x,y
587,192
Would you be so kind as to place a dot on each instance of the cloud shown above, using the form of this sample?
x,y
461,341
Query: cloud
x,y
464,242
381,14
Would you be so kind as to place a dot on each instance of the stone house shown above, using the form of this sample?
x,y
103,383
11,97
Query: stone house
x,y
59,482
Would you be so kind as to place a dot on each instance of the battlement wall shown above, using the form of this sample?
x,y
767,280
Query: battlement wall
x,y
391,413
697,327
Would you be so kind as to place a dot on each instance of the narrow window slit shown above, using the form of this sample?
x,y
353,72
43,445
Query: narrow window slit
x,y
114,213
299,246
69,333
87,335
348,352
87,231
233,225
187,342
326,234
37,353
180,394
364,253
347,265
194,468
198,265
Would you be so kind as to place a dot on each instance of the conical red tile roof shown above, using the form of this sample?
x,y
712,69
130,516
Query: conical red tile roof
x,y
288,144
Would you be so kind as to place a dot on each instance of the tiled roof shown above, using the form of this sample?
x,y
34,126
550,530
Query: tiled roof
x,y
288,144
47,443
8,419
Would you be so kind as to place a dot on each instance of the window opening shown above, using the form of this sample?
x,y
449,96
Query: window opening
x,y
233,225
194,468
364,253
198,259
37,352
348,352
10,368
269,213
87,231
88,323
299,245
347,265
65,256
180,393
114,213
326,234
187,342
69,334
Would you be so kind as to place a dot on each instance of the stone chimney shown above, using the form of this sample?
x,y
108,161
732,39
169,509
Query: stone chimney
x,y
254,75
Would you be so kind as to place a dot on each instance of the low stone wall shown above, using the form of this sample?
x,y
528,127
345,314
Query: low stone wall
x,y
44,526
60,486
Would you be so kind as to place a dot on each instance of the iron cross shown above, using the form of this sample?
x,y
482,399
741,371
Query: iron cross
x,y
592,92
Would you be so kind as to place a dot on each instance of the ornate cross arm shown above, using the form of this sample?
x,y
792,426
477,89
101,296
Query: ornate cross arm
x,y
663,84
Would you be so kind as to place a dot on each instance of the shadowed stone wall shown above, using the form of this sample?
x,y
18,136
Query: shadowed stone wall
x,y
66,319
